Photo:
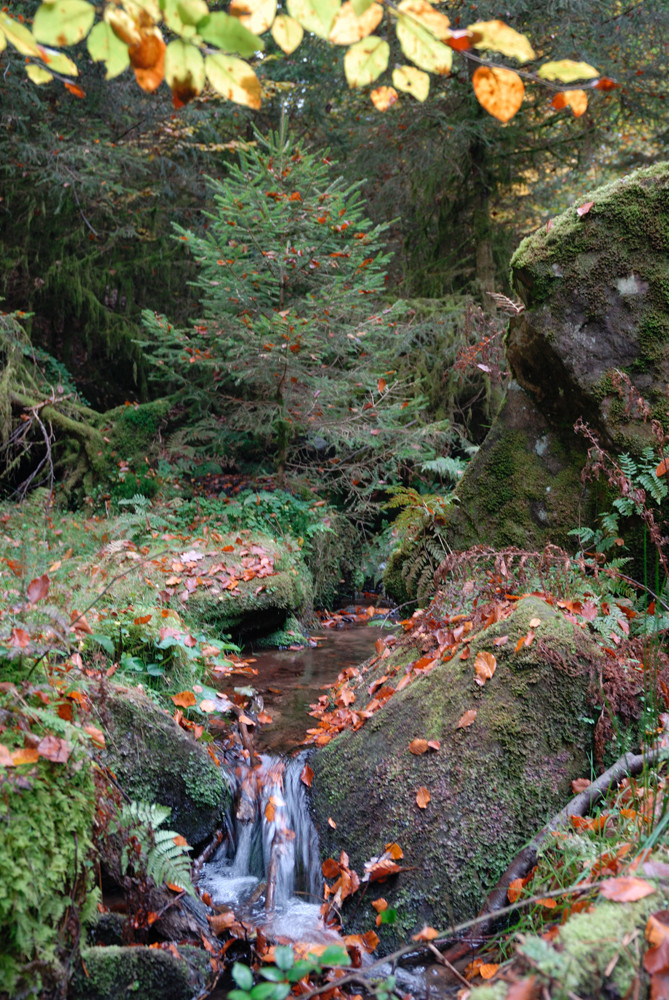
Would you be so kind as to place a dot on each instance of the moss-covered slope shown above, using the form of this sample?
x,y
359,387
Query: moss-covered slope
x,y
490,783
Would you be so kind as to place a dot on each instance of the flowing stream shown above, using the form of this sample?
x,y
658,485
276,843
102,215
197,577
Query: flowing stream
x,y
268,867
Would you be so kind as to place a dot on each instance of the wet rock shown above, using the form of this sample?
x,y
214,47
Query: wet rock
x,y
154,760
115,973
491,784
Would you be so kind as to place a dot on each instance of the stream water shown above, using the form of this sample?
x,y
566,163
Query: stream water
x,y
268,867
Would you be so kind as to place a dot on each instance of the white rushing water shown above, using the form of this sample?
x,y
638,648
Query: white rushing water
x,y
268,870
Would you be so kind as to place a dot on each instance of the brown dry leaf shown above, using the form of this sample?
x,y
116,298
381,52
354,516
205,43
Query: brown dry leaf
x,y
488,970
535,622
584,208
5,757
522,990
54,749
330,868
423,797
19,637
270,810
434,744
661,470
38,589
380,904
147,59
383,97
579,785
307,776
626,889
500,91
418,746
467,719
657,928
394,850
246,719
426,934
501,640
180,841
332,823
515,890
264,718
221,921
206,705
184,699
485,666
28,755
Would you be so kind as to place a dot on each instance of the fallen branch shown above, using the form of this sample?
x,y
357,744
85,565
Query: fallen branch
x,y
628,765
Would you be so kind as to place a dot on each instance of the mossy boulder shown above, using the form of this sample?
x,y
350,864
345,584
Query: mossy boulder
x,y
596,291
491,784
154,760
116,973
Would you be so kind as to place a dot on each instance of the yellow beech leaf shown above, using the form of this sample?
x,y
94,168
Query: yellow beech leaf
x,y
577,100
64,22
184,71
125,27
314,15
420,45
348,28
366,60
256,15
105,46
287,33
3,46
412,81
18,36
499,37
567,71
500,91
383,98
38,74
234,79
424,12
58,62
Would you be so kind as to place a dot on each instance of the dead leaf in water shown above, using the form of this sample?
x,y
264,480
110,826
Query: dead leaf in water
x,y
307,776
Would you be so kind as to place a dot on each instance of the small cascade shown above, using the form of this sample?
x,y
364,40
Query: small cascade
x,y
268,871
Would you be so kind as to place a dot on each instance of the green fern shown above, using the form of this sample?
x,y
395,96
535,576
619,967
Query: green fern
x,y
163,857
421,524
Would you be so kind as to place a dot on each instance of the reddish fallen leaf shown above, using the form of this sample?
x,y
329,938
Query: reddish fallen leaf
x,y
180,841
488,970
584,208
221,921
54,749
28,755
74,89
485,665
657,928
184,699
606,83
579,785
434,744
381,384
377,871
423,797
264,718
19,638
661,469
207,705
501,640
426,934
380,904
143,619
547,903
307,776
330,868
38,588
97,736
467,719
418,746
5,757
246,719
379,646
522,990
626,889
332,823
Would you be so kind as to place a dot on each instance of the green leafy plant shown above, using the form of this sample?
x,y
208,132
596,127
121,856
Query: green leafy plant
x,y
420,524
286,971
161,855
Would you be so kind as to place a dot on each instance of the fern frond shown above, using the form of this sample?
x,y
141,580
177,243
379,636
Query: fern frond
x,y
163,853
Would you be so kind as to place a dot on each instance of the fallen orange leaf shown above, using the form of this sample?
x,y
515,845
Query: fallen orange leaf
x,y
380,904
184,699
422,797
307,775
426,934
395,851
488,970
485,665
29,755
626,889
418,746
467,719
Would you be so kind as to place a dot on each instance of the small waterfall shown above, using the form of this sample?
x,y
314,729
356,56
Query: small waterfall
x,y
269,870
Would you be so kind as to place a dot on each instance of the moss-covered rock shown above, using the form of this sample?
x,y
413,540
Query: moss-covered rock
x,y
596,292
490,783
154,760
116,973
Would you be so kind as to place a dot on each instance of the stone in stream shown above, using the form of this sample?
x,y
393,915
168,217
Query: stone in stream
x,y
492,784
595,287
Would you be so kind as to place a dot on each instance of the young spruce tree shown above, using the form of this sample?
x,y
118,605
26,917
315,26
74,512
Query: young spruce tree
x,y
294,349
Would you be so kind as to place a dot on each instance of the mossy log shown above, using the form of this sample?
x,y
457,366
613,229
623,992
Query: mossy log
x,y
489,783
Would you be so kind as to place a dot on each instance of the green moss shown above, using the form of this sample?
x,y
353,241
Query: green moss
x,y
490,784
117,973
155,761
47,819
